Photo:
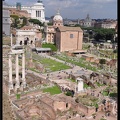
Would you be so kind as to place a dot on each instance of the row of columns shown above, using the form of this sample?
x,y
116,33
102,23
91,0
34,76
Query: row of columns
x,y
38,13
17,72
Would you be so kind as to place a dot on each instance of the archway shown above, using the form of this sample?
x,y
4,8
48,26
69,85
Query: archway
x,y
26,41
31,42
20,42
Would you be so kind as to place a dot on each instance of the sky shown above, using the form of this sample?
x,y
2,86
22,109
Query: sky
x,y
74,9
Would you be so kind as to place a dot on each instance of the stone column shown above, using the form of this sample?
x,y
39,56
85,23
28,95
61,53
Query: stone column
x,y
51,38
17,72
10,72
23,70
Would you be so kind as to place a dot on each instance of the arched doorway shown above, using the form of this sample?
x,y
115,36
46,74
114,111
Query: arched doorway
x,y
20,42
26,41
31,42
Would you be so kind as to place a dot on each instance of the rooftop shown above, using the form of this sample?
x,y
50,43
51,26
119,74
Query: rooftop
x,y
64,28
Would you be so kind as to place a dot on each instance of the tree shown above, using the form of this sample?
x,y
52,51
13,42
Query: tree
x,y
104,34
50,23
16,21
102,61
77,25
36,21
24,21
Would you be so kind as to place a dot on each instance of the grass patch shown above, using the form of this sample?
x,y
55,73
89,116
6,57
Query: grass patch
x,y
49,64
98,84
87,100
54,65
18,96
81,62
34,70
85,85
105,93
49,45
52,90
73,80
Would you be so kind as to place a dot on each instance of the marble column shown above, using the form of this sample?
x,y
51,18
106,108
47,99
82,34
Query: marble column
x,y
10,72
17,72
51,37
23,70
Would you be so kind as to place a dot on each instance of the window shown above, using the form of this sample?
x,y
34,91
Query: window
x,y
5,19
39,13
71,35
66,105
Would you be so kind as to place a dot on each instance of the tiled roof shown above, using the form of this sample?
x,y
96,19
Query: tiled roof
x,y
27,28
64,28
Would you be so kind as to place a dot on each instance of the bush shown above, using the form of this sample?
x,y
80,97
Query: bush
x,y
113,94
49,45
18,96
69,93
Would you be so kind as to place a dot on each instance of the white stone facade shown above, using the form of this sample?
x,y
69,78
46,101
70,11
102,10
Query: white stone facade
x,y
23,35
37,11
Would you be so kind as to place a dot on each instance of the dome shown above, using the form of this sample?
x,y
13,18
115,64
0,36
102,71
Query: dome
x,y
57,17
88,19
39,3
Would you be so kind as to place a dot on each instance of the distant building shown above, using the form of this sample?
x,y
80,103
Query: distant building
x,y
106,24
69,38
37,11
6,22
57,20
18,6
87,22
50,30
20,13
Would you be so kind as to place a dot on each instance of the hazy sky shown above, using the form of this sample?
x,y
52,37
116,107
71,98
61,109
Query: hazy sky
x,y
75,9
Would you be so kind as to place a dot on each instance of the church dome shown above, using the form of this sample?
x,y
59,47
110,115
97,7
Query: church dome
x,y
57,17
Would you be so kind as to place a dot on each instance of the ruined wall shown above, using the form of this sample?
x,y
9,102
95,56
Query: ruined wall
x,y
86,110
62,106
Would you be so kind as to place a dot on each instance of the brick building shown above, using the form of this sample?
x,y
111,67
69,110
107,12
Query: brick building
x,y
69,38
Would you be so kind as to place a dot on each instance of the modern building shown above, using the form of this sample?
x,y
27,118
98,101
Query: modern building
x,y
6,22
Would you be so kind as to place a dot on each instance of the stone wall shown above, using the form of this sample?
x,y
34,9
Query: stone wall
x,y
86,110
62,106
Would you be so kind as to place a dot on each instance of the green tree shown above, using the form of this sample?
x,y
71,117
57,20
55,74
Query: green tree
x,y
50,23
102,62
15,22
36,21
24,21
104,34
